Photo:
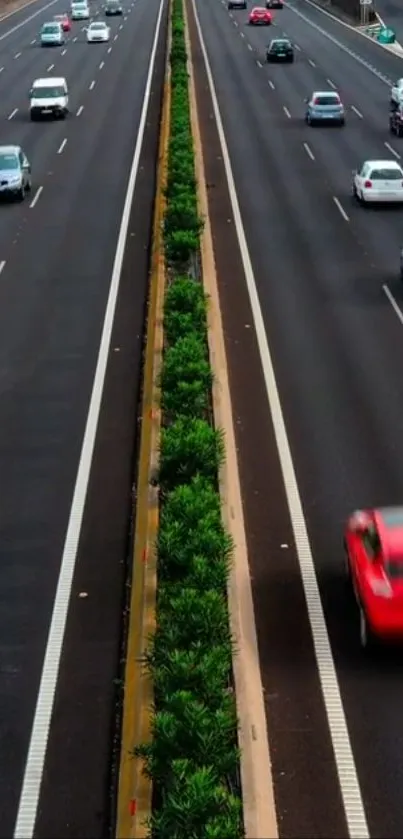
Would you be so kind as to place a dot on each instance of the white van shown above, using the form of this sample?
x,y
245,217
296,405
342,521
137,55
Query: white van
x,y
49,97
80,10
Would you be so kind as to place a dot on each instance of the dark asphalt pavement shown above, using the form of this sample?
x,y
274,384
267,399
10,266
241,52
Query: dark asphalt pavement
x,y
322,266
54,288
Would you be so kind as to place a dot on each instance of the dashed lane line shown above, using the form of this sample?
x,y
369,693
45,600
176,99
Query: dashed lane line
x,y
36,197
62,146
13,113
356,111
392,150
92,85
340,208
309,151
286,111
80,110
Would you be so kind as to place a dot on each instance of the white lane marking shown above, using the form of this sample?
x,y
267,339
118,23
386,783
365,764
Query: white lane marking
x,y
74,39
340,208
356,111
392,150
48,69
331,84
26,19
2,265
344,758
242,34
312,63
115,37
121,26
297,47
13,113
286,111
109,50
393,302
309,151
80,110
259,64
102,64
63,52
92,85
36,197
17,55
62,145
235,23
386,79
29,798
33,41
250,47
2,68
271,84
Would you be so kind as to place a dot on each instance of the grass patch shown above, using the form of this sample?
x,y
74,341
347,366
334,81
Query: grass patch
x,y
193,757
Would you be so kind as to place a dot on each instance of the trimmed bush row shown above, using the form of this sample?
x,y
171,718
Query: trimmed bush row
x,y
193,757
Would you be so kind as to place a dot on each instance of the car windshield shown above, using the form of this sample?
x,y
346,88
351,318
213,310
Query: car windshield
x,y
386,175
50,28
98,26
8,161
394,569
48,92
327,100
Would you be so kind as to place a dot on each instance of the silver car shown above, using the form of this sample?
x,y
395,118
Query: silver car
x,y
15,172
52,34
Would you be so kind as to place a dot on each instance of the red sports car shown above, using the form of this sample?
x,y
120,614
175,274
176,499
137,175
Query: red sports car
x,y
373,543
64,20
260,16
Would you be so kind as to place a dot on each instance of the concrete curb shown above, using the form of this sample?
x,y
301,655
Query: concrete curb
x,y
135,789
257,785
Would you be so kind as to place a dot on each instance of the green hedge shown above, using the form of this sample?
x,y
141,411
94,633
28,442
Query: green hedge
x,y
193,758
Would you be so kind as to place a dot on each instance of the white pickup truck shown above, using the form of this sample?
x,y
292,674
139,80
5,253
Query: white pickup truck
x,y
396,95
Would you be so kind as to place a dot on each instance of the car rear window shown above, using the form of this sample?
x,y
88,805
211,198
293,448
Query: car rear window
x,y
50,27
327,100
386,175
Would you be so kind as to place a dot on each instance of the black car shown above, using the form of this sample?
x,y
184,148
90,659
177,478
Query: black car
x,y
396,121
274,4
237,4
280,49
113,7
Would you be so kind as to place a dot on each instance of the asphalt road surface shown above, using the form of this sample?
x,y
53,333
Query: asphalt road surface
x,y
57,252
327,277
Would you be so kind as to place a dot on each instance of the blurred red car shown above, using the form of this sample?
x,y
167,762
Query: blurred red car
x,y
260,16
373,542
64,20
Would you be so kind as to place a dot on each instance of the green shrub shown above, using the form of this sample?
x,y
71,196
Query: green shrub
x,y
198,670
186,378
189,447
180,245
184,309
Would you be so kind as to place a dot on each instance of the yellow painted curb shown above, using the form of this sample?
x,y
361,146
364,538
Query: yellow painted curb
x,y
134,789
257,785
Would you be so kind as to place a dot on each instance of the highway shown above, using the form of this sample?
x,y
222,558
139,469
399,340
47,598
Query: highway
x,y
62,255
327,276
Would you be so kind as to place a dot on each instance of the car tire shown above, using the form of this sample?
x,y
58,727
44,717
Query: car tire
x,y
342,122
28,186
21,194
308,120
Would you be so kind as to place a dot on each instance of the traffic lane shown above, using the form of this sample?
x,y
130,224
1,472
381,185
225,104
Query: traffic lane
x,y
329,326
53,297
45,140
14,34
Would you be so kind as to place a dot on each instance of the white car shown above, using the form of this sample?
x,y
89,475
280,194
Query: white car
x,y
98,31
52,34
379,180
49,96
80,10
396,94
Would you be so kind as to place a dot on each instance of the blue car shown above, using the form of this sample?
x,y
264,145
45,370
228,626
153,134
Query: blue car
x,y
325,107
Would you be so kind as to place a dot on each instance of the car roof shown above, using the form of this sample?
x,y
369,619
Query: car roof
x,y
10,149
389,522
98,23
280,41
49,82
391,164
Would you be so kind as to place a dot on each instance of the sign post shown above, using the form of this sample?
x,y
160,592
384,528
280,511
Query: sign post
x,y
365,6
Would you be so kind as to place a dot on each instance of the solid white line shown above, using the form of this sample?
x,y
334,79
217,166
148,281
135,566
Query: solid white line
x,y
286,111
2,265
271,84
308,151
63,52
17,55
13,113
392,150
28,804
393,302
80,110
250,47
101,65
312,63
331,84
109,50
340,208
62,145
356,111
92,85
36,197
26,19
259,64
48,69
346,768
